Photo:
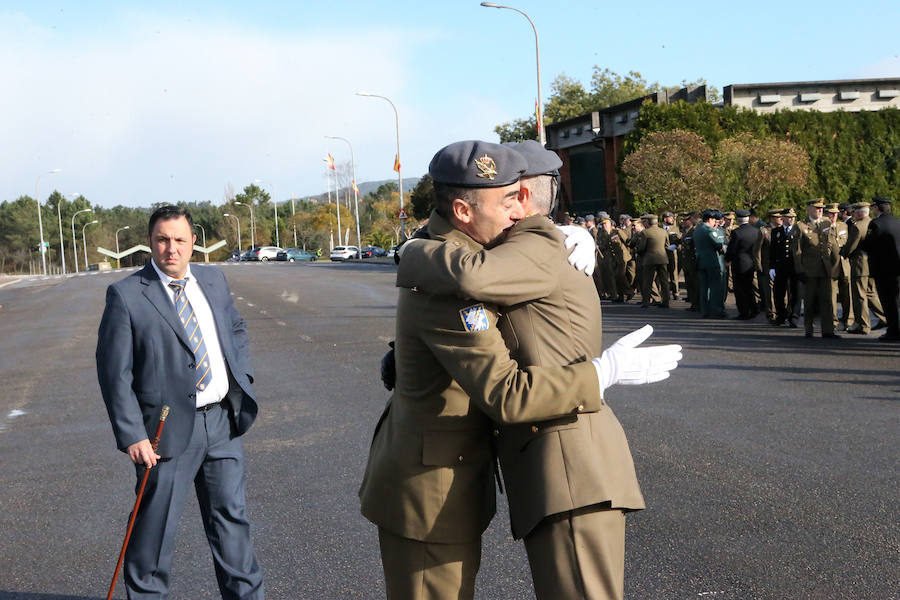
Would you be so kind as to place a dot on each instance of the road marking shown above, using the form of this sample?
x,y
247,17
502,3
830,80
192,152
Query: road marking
x,y
240,297
262,312
384,338
251,305
290,297
305,338
282,323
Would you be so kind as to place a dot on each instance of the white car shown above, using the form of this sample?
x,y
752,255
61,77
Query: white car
x,y
344,252
264,253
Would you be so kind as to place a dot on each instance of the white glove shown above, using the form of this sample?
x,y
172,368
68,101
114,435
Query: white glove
x,y
772,274
583,257
626,364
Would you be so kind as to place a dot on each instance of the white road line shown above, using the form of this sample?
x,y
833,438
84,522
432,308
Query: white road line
x,y
282,323
250,305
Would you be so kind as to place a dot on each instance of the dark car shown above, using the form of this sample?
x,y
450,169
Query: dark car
x,y
370,251
294,254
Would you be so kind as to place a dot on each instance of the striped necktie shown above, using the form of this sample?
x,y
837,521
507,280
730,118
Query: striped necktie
x,y
192,329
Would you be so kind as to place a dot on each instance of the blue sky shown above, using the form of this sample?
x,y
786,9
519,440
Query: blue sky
x,y
166,101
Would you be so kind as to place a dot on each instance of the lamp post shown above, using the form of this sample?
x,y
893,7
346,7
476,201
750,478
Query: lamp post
x,y
275,204
84,242
74,245
397,162
240,249
202,229
62,245
537,52
252,224
355,189
40,222
119,260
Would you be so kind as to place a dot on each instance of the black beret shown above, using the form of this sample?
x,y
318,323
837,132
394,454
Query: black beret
x,y
476,164
741,213
540,160
880,201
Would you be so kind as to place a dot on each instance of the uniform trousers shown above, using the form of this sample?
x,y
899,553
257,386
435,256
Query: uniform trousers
x,y
658,275
214,463
416,570
765,294
888,290
817,301
712,299
862,290
840,294
672,269
743,293
579,554
620,279
786,295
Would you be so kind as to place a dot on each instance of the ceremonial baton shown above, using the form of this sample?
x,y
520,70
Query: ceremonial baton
x,y
137,503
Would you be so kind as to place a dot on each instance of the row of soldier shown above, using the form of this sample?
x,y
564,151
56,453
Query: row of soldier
x,y
821,261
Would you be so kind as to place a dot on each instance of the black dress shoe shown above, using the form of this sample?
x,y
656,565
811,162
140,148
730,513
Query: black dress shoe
x,y
856,331
889,338
792,324
778,322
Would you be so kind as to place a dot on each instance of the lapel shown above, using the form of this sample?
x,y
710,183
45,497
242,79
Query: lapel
x,y
157,296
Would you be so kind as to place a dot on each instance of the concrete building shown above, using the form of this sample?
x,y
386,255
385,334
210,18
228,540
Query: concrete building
x,y
590,144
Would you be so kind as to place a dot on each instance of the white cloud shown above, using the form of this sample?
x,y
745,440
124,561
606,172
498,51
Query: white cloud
x,y
886,67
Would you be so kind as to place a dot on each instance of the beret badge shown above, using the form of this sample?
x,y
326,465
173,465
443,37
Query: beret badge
x,y
487,167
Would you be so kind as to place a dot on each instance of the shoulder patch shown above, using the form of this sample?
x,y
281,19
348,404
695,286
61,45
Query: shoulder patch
x,y
474,318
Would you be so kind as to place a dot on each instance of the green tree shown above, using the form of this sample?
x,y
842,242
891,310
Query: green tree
x,y
380,239
422,198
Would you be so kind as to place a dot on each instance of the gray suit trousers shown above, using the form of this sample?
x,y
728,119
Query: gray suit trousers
x,y
214,463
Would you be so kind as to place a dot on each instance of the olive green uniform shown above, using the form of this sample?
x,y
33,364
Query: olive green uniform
x,y
862,287
429,482
651,246
815,260
569,479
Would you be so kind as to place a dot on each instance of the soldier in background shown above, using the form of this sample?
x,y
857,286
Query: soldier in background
x,y
882,244
785,282
765,275
626,231
741,256
619,253
674,241
840,284
862,287
636,235
688,259
709,244
605,261
652,249
815,257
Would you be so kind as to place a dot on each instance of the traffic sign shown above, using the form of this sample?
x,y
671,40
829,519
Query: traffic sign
x,y
402,215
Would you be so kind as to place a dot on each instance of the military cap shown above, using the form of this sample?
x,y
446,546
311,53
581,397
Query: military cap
x,y
709,213
816,202
602,215
727,215
579,220
476,164
881,201
844,206
624,217
589,218
649,217
540,160
832,207
741,214
773,212
789,212
605,220
859,205
668,214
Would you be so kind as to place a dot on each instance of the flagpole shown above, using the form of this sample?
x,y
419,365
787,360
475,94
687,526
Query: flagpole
x,y
337,203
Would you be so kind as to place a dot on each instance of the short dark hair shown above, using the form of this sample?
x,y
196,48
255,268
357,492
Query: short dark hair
x,y
444,195
167,212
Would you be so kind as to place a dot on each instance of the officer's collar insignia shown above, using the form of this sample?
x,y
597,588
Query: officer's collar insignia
x,y
487,167
474,318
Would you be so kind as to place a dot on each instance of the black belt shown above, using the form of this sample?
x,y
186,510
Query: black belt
x,y
208,407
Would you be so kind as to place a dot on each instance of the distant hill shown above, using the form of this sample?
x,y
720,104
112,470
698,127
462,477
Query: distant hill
x,y
367,187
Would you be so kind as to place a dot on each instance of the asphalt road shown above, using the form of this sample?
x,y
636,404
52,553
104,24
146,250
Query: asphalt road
x,y
769,462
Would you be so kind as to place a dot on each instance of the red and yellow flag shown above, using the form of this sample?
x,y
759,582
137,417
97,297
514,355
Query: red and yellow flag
x,y
330,160
397,162
355,189
537,115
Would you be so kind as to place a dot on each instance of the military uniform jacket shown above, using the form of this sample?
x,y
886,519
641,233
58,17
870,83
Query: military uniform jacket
x,y
859,262
882,244
652,246
430,474
602,240
782,249
551,317
816,249
708,243
687,258
842,267
761,251
618,246
742,247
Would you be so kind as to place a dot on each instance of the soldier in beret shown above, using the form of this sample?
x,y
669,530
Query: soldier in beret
x,y
882,244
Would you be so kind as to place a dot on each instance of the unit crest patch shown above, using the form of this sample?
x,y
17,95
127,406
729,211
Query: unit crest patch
x,y
474,318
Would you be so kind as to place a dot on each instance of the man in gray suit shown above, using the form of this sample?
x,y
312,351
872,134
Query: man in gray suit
x,y
171,335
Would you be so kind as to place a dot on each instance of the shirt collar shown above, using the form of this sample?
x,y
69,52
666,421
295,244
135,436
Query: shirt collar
x,y
166,280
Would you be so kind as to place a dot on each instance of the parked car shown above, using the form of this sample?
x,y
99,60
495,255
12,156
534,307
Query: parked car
x,y
344,252
370,251
264,253
235,256
293,254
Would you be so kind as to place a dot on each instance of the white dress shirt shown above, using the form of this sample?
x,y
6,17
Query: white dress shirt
x,y
218,385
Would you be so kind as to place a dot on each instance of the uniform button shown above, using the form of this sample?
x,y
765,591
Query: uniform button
x,y
580,408
496,433
460,458
534,429
191,365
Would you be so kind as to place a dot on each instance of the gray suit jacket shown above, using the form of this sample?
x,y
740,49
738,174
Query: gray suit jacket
x,y
144,360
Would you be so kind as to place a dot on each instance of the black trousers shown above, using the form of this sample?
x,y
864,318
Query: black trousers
x,y
785,284
888,290
743,293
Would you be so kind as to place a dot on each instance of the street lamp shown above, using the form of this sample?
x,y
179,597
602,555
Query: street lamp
x,y
537,52
397,162
240,249
204,240
74,246
252,223
274,203
40,222
119,260
355,189
84,242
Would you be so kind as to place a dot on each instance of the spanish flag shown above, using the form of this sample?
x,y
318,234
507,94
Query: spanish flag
x,y
397,162
537,115
355,189
330,160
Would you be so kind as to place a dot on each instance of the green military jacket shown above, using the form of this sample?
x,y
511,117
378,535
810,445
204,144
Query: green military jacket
x,y
430,473
859,260
651,245
551,317
816,249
